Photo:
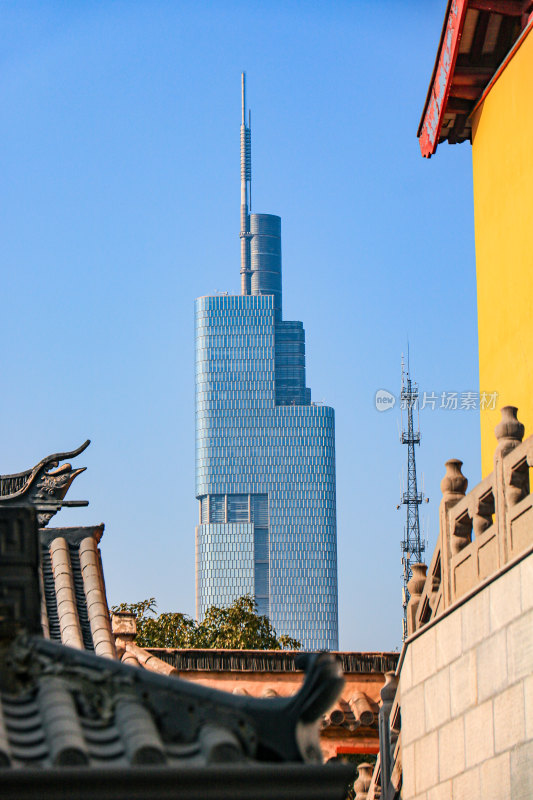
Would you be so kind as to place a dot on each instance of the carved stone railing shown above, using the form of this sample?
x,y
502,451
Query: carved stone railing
x,y
479,531
386,779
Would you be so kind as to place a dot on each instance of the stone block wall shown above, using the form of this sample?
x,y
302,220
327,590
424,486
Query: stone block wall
x,y
466,689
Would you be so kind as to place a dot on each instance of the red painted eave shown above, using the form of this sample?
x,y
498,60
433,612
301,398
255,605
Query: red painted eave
x,y
439,88
462,71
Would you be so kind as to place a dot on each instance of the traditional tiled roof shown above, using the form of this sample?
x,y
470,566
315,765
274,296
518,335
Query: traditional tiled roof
x,y
352,712
105,713
124,627
355,711
68,716
137,656
359,710
74,609
185,660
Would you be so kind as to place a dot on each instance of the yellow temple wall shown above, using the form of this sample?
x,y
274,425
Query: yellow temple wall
x,y
502,150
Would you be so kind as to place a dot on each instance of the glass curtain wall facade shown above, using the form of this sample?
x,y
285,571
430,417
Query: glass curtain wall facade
x,y
265,469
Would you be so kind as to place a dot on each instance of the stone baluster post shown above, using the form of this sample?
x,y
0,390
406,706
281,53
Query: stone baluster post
x,y
364,777
415,587
453,487
481,515
434,590
509,433
388,692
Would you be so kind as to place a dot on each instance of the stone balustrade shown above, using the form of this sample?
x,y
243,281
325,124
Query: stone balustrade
x,y
457,726
479,532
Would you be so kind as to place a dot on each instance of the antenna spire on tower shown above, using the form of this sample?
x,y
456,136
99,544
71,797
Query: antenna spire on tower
x,y
246,191
243,97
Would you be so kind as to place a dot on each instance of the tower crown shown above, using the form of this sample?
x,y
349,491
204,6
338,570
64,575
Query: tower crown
x,y
260,233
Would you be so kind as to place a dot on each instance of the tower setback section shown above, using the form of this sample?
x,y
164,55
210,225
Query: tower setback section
x,y
265,455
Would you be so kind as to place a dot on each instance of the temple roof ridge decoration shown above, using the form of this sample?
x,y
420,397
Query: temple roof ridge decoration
x,y
44,486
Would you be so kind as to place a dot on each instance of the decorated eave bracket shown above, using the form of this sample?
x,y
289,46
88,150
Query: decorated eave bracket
x,y
45,486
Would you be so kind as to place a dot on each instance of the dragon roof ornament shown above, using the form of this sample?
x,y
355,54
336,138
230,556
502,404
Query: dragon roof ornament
x,y
45,486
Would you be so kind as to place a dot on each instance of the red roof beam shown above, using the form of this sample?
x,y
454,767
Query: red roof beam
x,y
471,93
467,74
479,36
508,8
346,749
459,105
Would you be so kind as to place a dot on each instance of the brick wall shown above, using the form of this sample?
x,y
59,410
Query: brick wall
x,y
466,687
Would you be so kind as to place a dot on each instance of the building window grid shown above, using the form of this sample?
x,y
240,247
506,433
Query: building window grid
x,y
218,427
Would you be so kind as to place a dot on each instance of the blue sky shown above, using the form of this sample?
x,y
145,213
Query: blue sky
x,y
120,205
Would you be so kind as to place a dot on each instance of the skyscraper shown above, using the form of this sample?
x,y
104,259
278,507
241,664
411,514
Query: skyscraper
x,y
265,454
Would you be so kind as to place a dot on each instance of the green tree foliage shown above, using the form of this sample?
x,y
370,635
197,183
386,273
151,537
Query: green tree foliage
x,y
235,627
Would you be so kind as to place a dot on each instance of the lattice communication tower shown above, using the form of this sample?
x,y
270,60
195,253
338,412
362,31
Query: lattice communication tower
x,y
412,545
